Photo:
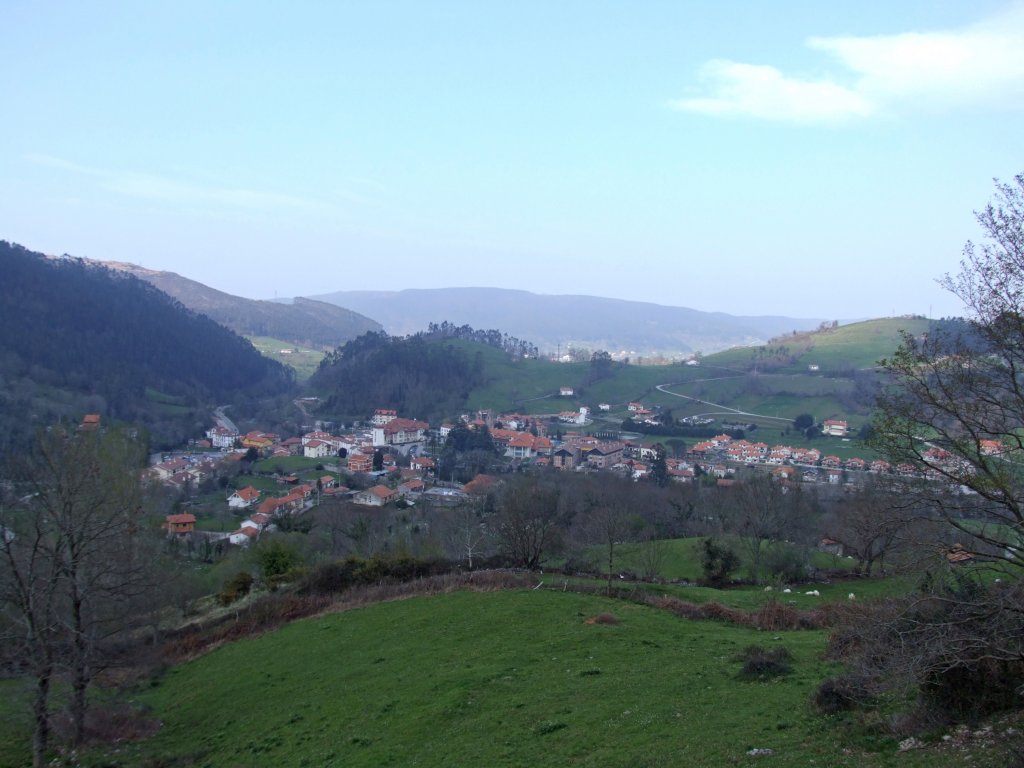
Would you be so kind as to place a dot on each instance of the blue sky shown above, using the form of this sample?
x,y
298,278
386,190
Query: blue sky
x,y
805,159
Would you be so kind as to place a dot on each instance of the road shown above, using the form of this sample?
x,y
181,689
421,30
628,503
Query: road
x,y
222,420
725,410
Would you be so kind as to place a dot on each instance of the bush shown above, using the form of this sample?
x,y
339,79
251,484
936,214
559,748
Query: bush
x,y
763,663
236,588
718,561
341,575
787,563
839,694
961,649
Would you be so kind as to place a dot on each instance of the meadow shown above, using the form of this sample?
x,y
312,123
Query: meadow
x,y
499,679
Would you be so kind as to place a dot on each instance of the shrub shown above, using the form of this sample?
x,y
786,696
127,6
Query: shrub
x,y
237,587
839,694
787,563
718,561
763,663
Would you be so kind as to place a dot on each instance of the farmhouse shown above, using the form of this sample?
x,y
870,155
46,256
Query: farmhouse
x,y
244,497
180,525
835,428
377,496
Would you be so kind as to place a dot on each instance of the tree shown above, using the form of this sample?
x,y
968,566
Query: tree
x,y
870,526
76,560
955,406
954,411
466,532
659,466
609,518
526,521
803,422
717,561
760,511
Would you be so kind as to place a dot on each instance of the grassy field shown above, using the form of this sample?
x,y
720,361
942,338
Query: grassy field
x,y
287,464
302,360
856,345
501,679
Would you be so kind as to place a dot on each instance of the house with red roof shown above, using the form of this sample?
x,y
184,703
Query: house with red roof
x,y
180,525
243,498
377,496
835,427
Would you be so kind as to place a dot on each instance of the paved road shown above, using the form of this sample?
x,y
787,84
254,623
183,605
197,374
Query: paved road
x,y
725,410
222,420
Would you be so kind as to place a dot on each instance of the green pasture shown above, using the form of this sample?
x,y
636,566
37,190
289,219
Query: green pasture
x,y
303,360
500,679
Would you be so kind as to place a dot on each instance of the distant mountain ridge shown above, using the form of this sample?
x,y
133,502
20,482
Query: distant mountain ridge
x,y
303,321
550,321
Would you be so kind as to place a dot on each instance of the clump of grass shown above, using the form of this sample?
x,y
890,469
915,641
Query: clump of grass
x,y
603,618
760,663
549,726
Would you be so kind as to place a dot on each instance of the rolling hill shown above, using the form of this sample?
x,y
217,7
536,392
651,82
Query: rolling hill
x,y
303,321
633,327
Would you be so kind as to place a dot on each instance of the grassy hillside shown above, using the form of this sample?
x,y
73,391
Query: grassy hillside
x,y
500,679
302,360
857,345
767,385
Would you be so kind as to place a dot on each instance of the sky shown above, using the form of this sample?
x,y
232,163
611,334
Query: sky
x,y
791,158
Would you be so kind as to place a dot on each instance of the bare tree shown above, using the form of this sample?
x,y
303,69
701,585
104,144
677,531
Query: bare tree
x,y
526,520
30,577
760,511
465,531
955,406
76,558
870,525
609,518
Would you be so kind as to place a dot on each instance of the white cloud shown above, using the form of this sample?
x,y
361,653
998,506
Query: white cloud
x,y
982,64
765,92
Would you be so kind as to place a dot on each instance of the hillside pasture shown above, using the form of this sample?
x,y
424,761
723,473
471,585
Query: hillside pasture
x,y
539,678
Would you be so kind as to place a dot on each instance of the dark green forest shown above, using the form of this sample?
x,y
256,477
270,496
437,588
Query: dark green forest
x,y
76,337
414,376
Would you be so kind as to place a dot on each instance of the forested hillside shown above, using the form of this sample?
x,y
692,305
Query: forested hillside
x,y
417,377
303,321
78,338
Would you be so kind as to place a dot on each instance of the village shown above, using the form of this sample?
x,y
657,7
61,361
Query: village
x,y
393,460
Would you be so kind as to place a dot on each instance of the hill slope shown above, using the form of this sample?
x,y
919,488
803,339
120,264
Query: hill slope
x,y
304,321
499,679
636,327
841,348
80,338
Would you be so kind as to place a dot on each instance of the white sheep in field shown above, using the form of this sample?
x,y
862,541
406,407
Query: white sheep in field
x,y
786,591
813,593
851,596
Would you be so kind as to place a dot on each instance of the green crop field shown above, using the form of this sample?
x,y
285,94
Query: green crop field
x,y
495,679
